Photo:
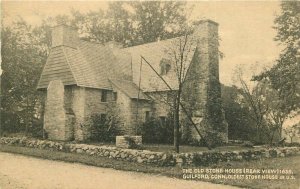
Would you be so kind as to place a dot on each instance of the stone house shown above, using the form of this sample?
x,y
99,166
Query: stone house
x,y
82,78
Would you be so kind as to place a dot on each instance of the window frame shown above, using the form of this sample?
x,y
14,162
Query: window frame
x,y
104,94
147,115
165,66
115,96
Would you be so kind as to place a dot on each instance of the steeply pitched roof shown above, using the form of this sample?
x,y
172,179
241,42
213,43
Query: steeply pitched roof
x,y
154,53
130,89
92,65
121,67
57,67
87,65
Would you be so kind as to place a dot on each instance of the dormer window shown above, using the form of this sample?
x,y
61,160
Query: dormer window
x,y
165,66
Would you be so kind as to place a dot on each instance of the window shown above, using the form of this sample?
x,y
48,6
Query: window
x,y
165,66
102,118
115,96
103,96
147,115
162,120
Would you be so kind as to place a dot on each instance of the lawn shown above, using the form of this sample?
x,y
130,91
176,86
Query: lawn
x,y
276,163
185,148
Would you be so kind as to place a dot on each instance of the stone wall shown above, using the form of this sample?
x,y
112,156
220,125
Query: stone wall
x,y
138,116
162,103
93,104
68,108
128,112
123,104
155,158
87,102
55,119
78,103
70,117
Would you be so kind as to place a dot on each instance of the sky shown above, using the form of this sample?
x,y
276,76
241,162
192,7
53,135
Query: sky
x,y
245,27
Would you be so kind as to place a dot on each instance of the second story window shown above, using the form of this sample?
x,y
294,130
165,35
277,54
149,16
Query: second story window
x,y
165,66
115,96
103,96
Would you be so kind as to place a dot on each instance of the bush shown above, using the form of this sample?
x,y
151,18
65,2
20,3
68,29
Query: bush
x,y
104,129
155,131
36,129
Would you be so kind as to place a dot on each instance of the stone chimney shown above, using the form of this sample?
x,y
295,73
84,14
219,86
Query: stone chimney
x,y
206,102
206,65
64,35
206,33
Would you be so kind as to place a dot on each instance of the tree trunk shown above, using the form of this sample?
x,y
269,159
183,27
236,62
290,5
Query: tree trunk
x,y
272,137
0,129
176,124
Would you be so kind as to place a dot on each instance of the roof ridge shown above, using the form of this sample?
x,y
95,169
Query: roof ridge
x,y
151,43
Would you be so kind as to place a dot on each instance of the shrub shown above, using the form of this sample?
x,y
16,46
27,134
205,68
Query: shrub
x,y
157,131
36,129
105,128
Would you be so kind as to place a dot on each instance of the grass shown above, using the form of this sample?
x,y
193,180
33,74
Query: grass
x,y
276,163
185,148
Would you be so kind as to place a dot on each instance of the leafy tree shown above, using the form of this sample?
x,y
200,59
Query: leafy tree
x,y
23,56
277,112
252,98
132,23
240,124
158,20
266,109
285,75
93,26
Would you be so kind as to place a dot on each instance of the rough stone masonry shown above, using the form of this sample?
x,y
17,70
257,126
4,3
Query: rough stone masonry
x,y
77,85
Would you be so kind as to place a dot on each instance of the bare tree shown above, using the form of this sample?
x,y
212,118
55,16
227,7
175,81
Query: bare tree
x,y
180,53
268,111
252,97
293,131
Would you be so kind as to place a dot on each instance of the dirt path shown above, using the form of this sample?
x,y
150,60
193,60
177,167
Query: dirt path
x,y
18,171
